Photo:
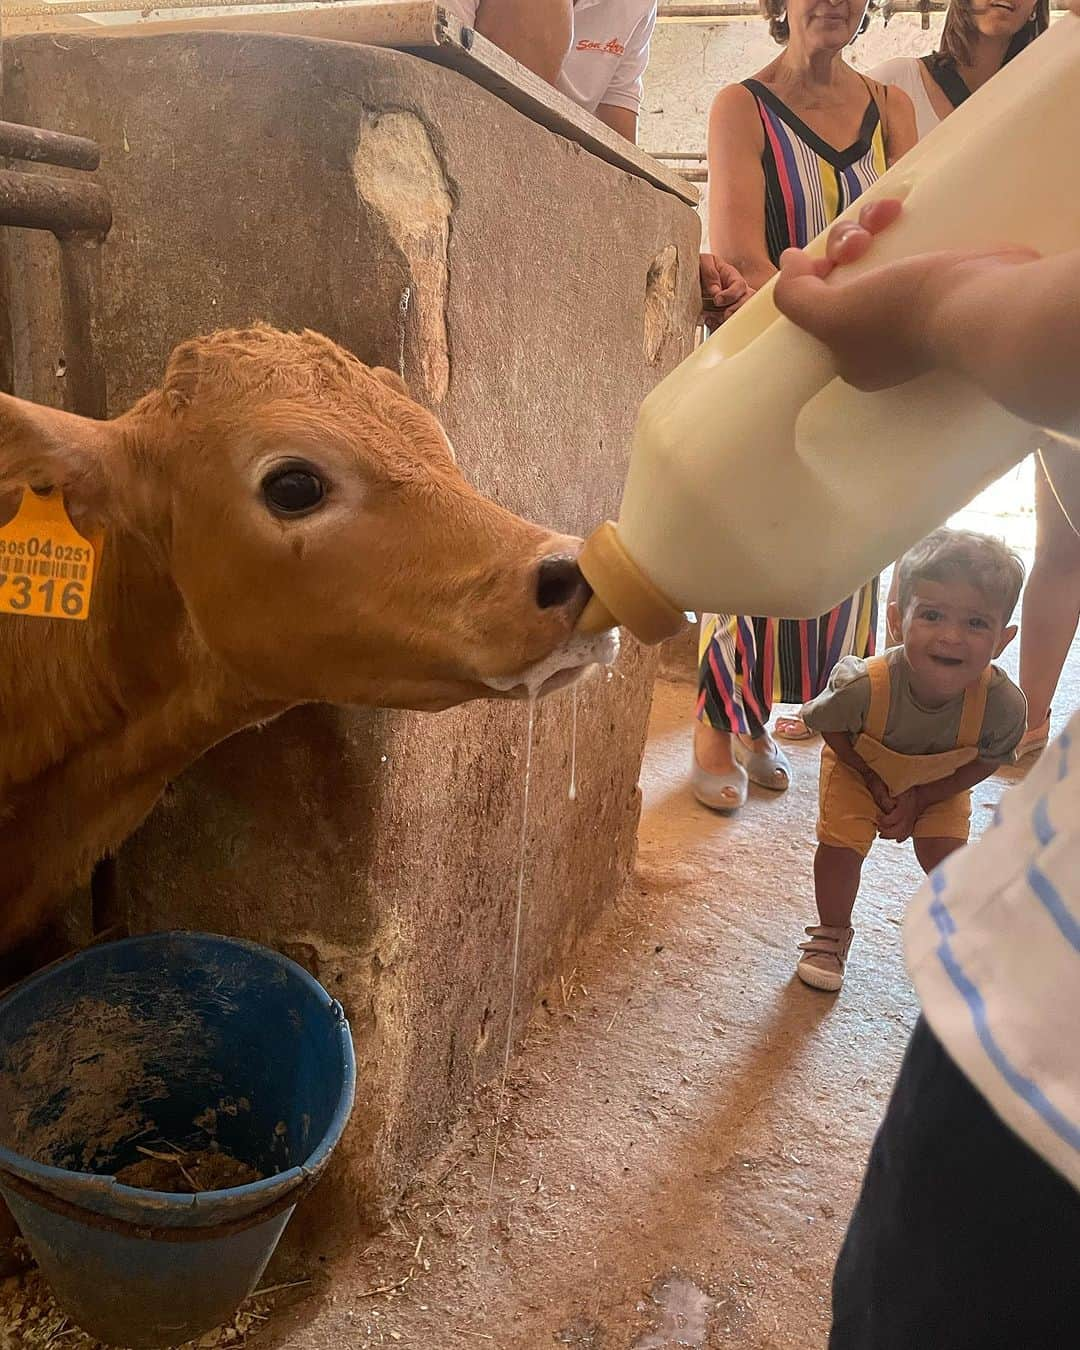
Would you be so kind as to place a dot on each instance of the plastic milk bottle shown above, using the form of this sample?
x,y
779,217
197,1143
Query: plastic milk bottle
x,y
760,483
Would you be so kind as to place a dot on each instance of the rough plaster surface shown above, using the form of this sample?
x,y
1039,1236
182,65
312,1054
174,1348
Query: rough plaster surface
x,y
399,175
690,62
662,317
276,178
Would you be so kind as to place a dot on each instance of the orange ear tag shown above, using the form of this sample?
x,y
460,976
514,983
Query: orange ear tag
x,y
46,566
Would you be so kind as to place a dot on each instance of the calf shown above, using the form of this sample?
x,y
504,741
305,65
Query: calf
x,y
281,525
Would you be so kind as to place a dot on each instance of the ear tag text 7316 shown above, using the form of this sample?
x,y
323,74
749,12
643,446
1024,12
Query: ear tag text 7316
x,y
46,566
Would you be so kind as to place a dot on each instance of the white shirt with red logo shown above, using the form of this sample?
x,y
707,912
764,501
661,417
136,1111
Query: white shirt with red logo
x,y
609,52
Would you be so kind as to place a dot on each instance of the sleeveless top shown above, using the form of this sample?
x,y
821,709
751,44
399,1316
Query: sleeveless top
x,y
904,72
943,71
808,182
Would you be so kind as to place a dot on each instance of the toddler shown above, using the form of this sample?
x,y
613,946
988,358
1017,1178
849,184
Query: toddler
x,y
910,732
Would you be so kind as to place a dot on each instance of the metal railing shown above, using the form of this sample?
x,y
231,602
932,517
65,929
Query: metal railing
x,y
23,10
79,214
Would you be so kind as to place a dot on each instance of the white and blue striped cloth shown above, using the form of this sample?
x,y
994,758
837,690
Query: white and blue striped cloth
x,y
993,946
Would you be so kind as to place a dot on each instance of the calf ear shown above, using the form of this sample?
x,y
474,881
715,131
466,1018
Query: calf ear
x,y
46,448
388,377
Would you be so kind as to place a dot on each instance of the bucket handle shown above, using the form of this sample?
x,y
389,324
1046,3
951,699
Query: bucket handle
x,y
37,1195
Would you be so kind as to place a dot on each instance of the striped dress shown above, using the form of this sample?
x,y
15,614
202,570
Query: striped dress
x,y
748,664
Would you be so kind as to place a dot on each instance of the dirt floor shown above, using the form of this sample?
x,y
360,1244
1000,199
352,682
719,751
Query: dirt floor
x,y
685,1125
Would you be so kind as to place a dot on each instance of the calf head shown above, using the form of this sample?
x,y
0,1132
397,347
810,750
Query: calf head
x,y
317,529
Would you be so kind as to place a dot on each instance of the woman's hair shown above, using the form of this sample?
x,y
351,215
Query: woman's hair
x,y
779,29
959,34
776,13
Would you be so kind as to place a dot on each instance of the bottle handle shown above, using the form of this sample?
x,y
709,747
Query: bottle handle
x,y
785,365
758,317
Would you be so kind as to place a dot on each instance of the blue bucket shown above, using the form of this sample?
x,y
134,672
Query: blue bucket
x,y
183,1037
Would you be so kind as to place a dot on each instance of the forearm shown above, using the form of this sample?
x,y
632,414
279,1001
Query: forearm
x,y
757,271
966,777
840,743
537,33
622,120
1017,336
736,244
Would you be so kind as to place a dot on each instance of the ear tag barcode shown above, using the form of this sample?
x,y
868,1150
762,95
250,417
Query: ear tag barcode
x,y
46,566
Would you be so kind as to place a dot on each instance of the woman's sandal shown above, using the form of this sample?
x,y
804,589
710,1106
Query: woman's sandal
x,y
793,729
1034,740
719,791
772,771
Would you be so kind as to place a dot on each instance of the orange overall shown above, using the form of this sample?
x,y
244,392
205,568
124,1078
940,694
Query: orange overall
x,y
848,815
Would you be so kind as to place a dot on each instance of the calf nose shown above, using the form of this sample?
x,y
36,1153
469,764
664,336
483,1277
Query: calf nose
x,y
560,585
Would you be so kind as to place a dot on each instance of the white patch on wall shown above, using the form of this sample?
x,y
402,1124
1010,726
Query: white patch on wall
x,y
398,174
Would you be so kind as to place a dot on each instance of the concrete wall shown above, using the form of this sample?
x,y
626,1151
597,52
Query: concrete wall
x,y
690,62
318,184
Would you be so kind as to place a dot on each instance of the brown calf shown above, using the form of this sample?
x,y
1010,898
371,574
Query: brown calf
x,y
282,525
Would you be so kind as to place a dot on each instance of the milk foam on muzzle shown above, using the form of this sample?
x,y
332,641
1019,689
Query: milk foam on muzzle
x,y
579,651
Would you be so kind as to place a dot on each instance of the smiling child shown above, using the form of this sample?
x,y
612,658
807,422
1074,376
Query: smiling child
x,y
910,732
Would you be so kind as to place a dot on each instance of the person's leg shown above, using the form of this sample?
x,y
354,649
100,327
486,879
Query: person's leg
x,y
732,701
717,780
836,884
849,630
962,1237
757,641
931,851
752,641
846,829
712,747
1051,606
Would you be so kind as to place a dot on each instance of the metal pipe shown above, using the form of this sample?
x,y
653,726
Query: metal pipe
x,y
37,9
65,206
672,13
748,9
48,147
734,9
85,386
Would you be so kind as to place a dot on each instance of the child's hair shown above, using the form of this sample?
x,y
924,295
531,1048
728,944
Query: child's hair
x,y
948,555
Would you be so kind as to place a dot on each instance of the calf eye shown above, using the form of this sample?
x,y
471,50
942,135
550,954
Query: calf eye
x,y
293,490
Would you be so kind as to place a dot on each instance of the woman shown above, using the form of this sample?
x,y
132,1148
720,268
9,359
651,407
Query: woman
x,y
789,150
975,43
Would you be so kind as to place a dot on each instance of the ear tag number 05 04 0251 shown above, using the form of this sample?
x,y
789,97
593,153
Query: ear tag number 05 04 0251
x,y
46,566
